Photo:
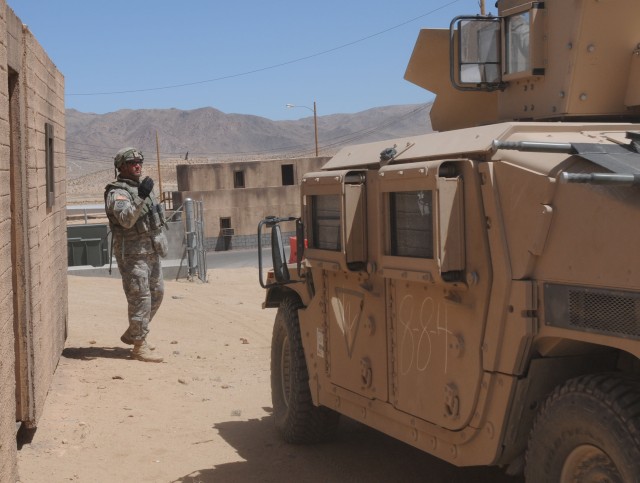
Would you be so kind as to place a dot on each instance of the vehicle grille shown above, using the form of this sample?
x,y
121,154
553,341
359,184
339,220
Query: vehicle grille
x,y
610,312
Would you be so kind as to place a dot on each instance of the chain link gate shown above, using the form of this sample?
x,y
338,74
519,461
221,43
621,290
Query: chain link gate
x,y
195,249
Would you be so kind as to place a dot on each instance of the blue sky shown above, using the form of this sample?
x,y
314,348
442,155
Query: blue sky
x,y
239,56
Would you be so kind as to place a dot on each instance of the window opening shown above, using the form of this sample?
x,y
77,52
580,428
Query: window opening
x,y
238,179
411,224
48,131
325,221
287,174
517,43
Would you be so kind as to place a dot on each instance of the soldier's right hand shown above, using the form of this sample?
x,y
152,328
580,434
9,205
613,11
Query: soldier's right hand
x,y
145,187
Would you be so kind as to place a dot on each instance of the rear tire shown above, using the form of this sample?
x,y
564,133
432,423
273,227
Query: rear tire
x,y
588,431
296,418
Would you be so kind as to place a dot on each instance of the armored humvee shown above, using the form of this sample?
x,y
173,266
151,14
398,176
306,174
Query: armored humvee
x,y
475,292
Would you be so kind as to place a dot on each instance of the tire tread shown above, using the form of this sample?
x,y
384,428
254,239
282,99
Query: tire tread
x,y
301,421
617,396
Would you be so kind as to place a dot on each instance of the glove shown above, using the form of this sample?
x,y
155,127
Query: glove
x,y
145,187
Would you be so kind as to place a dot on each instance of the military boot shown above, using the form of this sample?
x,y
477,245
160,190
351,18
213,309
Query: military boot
x,y
142,352
126,338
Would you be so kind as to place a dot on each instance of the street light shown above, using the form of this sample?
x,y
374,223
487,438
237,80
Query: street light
x,y
315,119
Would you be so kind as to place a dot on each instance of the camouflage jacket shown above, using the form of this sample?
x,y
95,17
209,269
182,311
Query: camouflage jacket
x,y
136,223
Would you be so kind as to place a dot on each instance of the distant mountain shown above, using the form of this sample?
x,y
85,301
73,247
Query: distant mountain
x,y
93,139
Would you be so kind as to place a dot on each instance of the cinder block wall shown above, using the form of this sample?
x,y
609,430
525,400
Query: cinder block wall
x,y
33,283
8,471
47,225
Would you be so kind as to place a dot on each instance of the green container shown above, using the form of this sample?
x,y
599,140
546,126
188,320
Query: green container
x,y
87,245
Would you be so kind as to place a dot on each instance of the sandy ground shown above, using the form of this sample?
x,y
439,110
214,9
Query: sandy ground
x,y
203,415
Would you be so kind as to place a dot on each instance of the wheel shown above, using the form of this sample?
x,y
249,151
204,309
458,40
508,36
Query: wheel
x,y
296,418
588,430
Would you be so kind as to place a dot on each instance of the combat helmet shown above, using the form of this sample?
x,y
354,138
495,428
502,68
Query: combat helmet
x,y
126,155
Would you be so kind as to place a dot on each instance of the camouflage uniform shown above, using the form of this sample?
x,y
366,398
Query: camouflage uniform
x,y
138,243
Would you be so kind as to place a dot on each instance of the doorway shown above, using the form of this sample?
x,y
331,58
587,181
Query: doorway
x,y
226,232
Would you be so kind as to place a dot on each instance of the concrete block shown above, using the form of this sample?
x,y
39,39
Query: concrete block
x,y
5,233
5,181
6,284
5,158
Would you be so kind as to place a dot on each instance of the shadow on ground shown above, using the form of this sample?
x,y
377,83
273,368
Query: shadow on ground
x,y
92,352
358,454
24,436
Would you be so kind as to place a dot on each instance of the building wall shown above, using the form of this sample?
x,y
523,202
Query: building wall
x,y
7,354
47,224
263,194
33,283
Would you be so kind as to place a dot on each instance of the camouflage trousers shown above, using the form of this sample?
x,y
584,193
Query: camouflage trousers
x,y
144,288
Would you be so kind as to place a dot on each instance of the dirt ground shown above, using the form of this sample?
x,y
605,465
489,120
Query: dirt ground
x,y
203,415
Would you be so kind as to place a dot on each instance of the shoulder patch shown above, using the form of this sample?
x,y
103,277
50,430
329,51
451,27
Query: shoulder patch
x,y
120,204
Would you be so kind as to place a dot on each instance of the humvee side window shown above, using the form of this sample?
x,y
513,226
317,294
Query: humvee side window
x,y
517,43
325,222
411,223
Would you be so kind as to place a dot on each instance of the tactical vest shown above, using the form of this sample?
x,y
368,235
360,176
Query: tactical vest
x,y
151,217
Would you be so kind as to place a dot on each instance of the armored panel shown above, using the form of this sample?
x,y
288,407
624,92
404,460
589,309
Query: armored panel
x,y
334,205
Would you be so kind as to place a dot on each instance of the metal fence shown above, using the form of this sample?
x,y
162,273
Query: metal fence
x,y
195,247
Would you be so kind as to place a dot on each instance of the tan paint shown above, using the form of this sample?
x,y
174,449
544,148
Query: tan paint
x,y
450,109
585,47
443,343
454,350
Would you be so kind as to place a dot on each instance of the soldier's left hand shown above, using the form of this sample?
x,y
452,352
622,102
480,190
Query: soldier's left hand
x,y
145,187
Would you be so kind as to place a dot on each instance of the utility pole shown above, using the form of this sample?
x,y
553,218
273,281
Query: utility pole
x,y
315,125
481,3
159,174
315,120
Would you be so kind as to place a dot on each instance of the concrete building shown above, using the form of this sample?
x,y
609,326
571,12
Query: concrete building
x,y
33,251
237,195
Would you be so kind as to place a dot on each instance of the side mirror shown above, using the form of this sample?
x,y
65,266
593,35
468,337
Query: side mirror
x,y
475,59
299,241
280,269
300,245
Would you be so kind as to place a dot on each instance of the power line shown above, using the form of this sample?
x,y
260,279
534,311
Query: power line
x,y
274,66
80,154
348,138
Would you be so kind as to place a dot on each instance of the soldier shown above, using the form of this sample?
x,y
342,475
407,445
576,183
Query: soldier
x,y
138,241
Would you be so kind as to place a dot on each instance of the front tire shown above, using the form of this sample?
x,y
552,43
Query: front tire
x,y
296,418
587,431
